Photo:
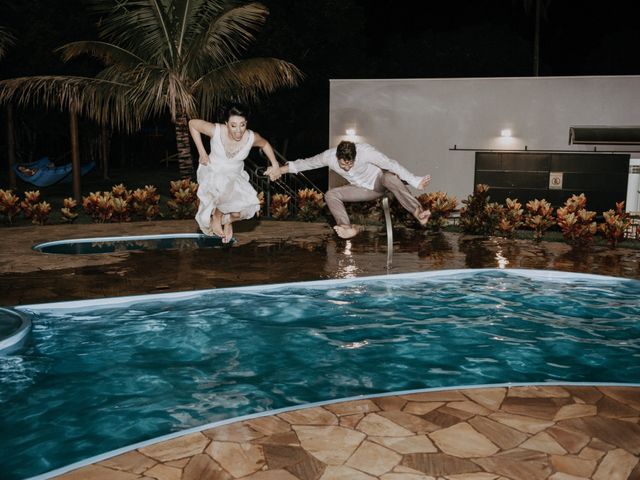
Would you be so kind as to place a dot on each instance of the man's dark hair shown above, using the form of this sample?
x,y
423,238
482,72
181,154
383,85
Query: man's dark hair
x,y
346,151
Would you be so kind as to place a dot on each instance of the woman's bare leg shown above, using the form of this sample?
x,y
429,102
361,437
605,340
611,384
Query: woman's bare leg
x,y
228,227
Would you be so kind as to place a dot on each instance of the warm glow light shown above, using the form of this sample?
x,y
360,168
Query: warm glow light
x,y
351,131
505,132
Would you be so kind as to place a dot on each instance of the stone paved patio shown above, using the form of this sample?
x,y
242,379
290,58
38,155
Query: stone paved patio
x,y
535,433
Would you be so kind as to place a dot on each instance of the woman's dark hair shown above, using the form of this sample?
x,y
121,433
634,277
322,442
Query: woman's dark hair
x,y
346,151
234,109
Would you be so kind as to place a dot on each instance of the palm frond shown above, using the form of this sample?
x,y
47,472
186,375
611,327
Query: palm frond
x,y
103,101
6,40
225,36
108,53
244,80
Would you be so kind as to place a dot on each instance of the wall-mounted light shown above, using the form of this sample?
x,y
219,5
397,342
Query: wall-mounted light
x,y
505,132
351,132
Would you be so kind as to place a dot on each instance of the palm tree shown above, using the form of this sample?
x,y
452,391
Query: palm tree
x,y
6,40
177,56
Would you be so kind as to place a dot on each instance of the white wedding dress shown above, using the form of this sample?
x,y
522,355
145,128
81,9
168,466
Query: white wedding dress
x,y
224,184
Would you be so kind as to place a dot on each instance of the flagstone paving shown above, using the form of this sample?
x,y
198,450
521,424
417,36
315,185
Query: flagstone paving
x,y
532,432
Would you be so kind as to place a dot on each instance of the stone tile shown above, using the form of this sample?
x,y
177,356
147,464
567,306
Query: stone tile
x,y
542,408
589,453
405,476
543,442
598,444
437,464
519,422
281,456
565,476
469,407
344,473
178,463
270,475
373,459
616,465
440,396
575,410
390,403
332,445
403,469
490,398
376,425
502,435
627,395
269,425
239,459
589,395
611,430
635,473
421,408
310,468
164,472
133,462
310,416
202,466
403,445
174,449
473,476
538,391
287,438
441,419
351,408
518,463
448,409
578,467
571,440
608,407
97,472
463,441
233,432
351,421
413,423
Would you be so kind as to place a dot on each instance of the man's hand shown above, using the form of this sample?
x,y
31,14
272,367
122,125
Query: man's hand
x,y
424,182
273,173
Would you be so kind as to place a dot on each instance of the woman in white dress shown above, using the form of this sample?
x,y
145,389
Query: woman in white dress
x,y
224,191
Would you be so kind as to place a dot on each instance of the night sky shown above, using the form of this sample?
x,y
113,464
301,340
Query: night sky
x,y
369,39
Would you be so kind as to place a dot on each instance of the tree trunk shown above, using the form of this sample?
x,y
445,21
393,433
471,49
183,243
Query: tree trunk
x,y
536,41
11,146
75,156
104,151
184,147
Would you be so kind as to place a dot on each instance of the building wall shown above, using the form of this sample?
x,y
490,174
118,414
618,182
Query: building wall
x,y
419,121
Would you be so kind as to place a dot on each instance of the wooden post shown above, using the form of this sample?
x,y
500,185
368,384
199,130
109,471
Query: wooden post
x,y
11,146
75,156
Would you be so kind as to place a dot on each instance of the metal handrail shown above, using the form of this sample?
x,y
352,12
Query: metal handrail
x,y
389,224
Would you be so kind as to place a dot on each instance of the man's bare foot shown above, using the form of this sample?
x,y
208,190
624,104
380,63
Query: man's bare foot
x,y
422,216
346,231
228,233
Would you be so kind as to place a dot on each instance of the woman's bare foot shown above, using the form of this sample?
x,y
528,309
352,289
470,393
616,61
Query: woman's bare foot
x,y
346,231
216,223
228,233
422,216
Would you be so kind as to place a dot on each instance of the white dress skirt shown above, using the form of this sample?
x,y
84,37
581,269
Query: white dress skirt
x,y
224,184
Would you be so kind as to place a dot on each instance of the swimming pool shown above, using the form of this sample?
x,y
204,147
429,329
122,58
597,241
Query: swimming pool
x,y
99,375
135,242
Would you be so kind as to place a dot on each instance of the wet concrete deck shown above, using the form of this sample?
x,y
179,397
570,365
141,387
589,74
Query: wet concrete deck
x,y
559,433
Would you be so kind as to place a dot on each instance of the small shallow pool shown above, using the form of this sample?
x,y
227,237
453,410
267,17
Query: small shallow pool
x,y
180,241
100,375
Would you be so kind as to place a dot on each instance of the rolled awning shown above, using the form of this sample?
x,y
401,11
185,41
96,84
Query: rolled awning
x,y
602,135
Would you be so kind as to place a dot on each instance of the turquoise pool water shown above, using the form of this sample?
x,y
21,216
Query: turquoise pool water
x,y
97,376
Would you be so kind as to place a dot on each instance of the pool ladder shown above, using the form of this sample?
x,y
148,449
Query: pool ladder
x,y
387,220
